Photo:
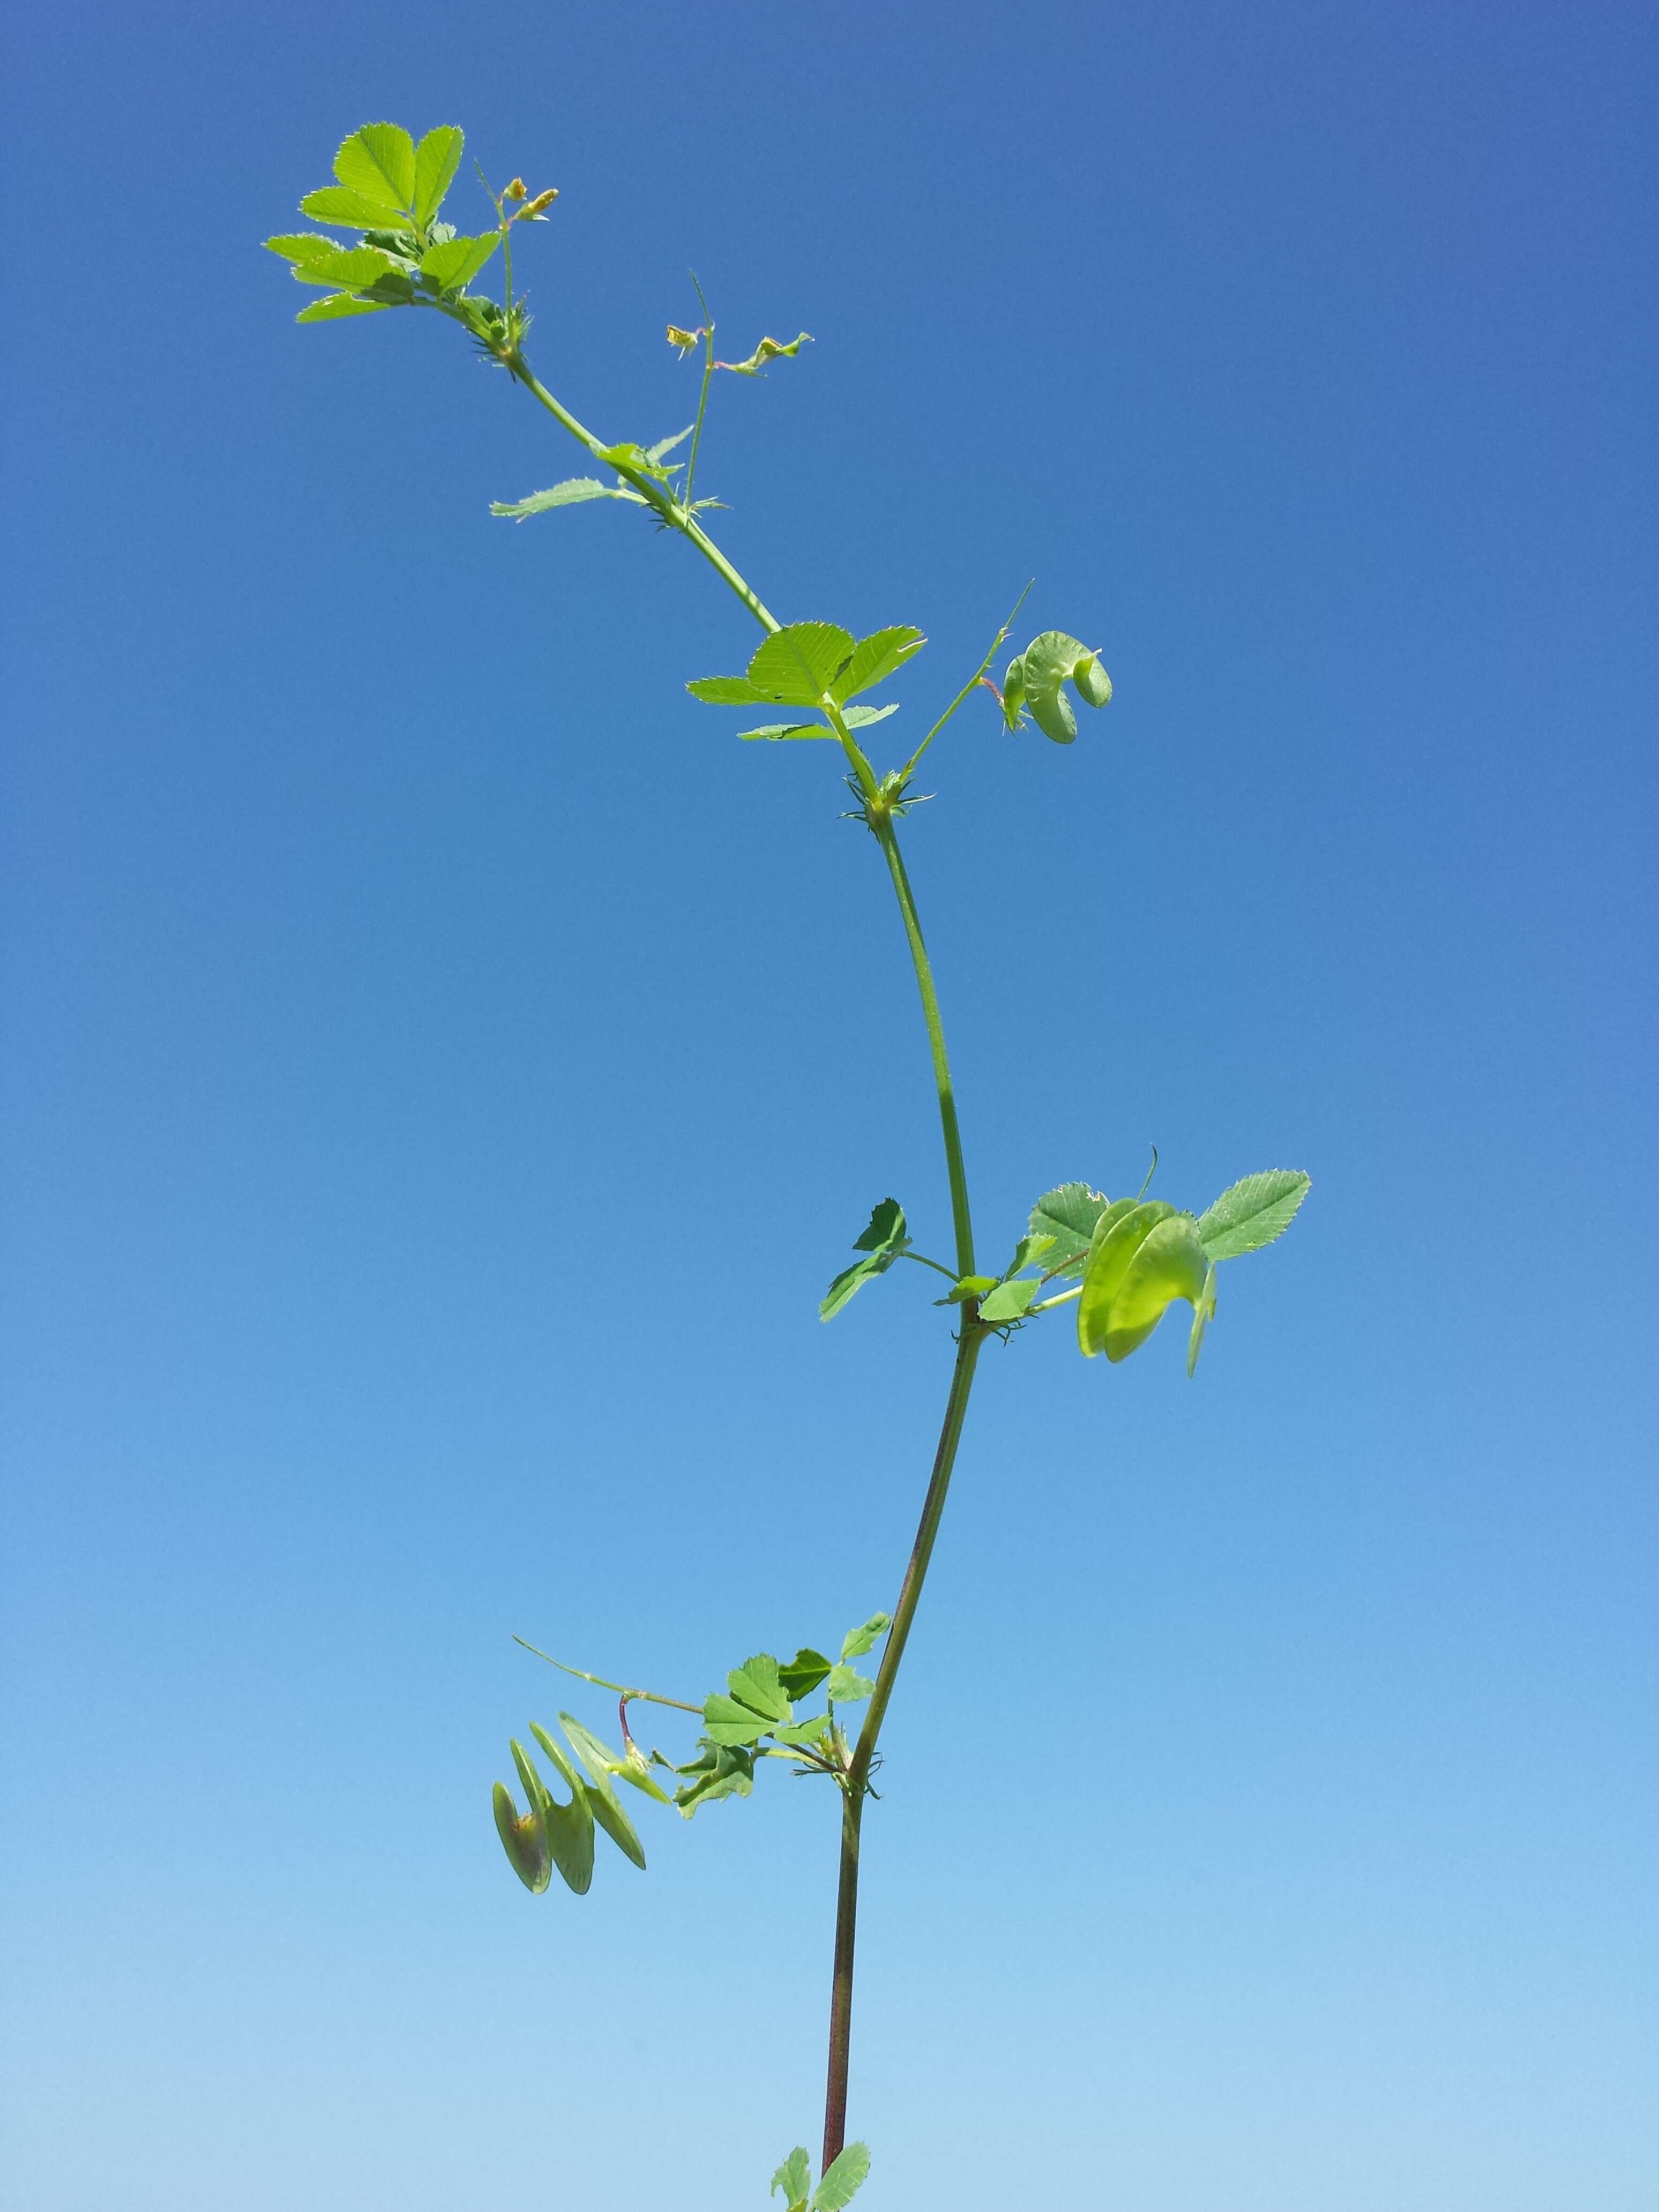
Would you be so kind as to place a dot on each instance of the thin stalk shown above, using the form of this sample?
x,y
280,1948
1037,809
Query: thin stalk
x,y
961,1216
858,1777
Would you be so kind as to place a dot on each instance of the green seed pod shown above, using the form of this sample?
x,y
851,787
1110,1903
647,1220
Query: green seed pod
x,y
523,1838
1013,691
569,1827
1168,1264
1094,685
1118,1236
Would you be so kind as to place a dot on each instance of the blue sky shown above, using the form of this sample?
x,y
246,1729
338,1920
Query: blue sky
x,y
442,1069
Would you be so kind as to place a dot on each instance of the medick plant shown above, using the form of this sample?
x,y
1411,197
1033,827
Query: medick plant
x,y
1118,1263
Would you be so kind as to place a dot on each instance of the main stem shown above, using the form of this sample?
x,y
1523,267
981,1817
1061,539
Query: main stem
x,y
974,1332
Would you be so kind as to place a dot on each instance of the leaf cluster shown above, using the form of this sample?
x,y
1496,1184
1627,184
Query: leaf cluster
x,y
818,665
842,2180
388,190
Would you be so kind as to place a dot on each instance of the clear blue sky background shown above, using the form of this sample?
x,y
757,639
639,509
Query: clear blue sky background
x,y
442,1069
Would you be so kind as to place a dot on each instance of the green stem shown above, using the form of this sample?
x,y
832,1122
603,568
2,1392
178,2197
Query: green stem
x,y
858,1776
960,1217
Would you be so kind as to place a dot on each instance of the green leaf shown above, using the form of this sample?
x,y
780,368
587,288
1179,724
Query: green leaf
x,y
340,303
1203,1315
1068,1214
1035,1245
874,659
452,265
804,1673
883,1241
794,667
378,161
842,2180
794,2178
803,1731
729,1723
665,445
726,691
1252,1212
1009,1300
1169,1263
967,1286
523,1838
300,246
351,210
756,1684
1117,1237
436,160
846,1686
884,1230
778,733
351,267
857,1640
570,493
859,718
723,1770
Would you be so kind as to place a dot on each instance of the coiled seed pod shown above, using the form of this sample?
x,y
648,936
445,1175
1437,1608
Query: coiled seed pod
x,y
1035,679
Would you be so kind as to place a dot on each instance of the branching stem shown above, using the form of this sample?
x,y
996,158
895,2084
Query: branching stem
x,y
879,816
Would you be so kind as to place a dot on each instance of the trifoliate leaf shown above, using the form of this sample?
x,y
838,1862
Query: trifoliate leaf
x,y
794,667
570,493
1169,1263
883,1241
1008,1301
857,1640
842,2180
874,659
436,160
723,1770
1068,1214
378,161
804,1673
795,2179
1252,1212
452,265
351,210
846,1686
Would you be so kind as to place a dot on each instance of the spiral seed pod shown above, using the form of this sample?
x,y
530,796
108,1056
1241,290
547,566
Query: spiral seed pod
x,y
1047,665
